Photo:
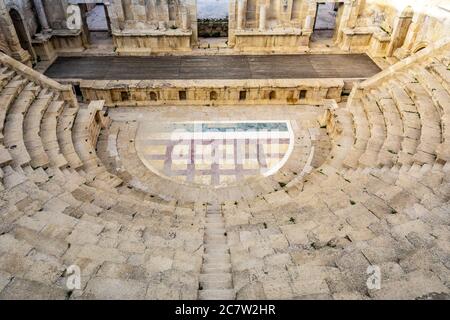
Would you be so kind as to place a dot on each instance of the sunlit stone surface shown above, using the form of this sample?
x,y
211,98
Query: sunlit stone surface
x,y
210,174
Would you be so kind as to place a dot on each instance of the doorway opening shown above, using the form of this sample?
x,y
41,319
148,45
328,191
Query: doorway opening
x,y
98,25
325,20
212,24
21,31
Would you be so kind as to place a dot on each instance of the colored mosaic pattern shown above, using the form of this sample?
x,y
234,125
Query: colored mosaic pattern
x,y
214,153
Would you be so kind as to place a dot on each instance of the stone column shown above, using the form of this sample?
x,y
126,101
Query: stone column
x,y
240,14
184,19
346,21
41,15
108,19
116,15
354,8
401,28
163,11
85,34
138,10
395,34
416,24
308,23
7,28
262,17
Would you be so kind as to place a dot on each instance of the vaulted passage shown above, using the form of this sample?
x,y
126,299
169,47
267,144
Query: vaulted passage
x,y
214,67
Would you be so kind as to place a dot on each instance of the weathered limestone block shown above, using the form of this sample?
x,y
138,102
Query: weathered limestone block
x,y
10,244
413,285
253,290
122,271
102,254
115,289
275,289
20,289
296,234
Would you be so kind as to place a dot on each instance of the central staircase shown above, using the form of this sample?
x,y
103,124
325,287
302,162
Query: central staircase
x,y
216,281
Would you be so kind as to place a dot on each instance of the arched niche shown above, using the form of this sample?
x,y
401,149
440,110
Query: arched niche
x,y
419,46
21,30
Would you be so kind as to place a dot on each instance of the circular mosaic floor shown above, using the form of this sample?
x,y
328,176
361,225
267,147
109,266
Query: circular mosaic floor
x,y
215,153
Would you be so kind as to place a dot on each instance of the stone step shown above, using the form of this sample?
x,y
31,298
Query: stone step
x,y
214,215
214,225
222,241
217,254
12,178
214,219
213,231
216,281
222,248
223,258
214,236
212,277
214,207
215,294
211,267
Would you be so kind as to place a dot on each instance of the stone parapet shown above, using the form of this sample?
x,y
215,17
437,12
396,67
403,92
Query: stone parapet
x,y
362,39
66,90
217,92
147,42
271,41
405,63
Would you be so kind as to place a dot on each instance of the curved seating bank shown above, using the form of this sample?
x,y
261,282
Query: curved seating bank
x,y
376,193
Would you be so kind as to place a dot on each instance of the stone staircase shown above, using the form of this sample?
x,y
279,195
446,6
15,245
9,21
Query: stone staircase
x,y
216,279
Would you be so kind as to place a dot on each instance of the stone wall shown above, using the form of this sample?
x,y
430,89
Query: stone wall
x,y
212,28
4,44
428,24
282,25
56,13
65,91
383,28
26,10
219,92
26,18
387,28
10,43
154,25
380,27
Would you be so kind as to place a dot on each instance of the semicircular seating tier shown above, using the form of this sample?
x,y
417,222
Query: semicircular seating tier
x,y
74,192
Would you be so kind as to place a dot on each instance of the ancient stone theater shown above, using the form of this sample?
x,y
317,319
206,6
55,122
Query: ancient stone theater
x,y
224,149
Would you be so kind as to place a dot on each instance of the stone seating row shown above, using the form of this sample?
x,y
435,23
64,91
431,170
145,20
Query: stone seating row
x,y
85,146
120,157
341,223
382,198
403,120
52,216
